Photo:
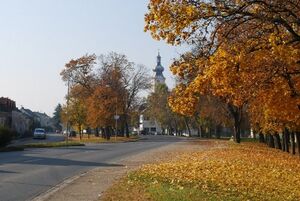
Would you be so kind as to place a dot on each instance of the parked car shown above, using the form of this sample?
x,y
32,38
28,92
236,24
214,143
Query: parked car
x,y
39,133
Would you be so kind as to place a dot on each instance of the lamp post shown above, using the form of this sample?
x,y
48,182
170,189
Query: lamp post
x,y
68,121
116,117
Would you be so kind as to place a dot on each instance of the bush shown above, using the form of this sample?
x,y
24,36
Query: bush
x,y
6,136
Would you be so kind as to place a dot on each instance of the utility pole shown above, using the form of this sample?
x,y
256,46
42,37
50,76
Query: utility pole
x,y
68,121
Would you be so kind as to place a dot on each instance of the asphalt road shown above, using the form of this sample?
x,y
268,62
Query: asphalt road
x,y
24,175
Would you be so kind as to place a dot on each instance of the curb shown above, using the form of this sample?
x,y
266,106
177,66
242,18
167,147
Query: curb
x,y
45,195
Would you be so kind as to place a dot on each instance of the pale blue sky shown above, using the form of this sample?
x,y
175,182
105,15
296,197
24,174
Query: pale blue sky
x,y
39,36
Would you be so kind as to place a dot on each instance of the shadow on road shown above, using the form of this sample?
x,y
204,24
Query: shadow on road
x,y
7,172
80,148
31,160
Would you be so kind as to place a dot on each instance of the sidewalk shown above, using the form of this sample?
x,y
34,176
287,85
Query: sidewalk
x,y
89,186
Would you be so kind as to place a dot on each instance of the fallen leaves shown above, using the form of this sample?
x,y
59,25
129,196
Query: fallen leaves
x,y
243,172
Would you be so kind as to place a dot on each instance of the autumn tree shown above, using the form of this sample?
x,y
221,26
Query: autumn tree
x,y
102,106
102,87
246,52
80,72
158,109
128,80
178,21
75,114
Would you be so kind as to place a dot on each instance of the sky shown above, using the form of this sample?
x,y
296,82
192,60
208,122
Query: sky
x,y
38,37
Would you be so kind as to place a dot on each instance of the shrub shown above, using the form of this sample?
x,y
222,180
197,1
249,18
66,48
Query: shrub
x,y
6,136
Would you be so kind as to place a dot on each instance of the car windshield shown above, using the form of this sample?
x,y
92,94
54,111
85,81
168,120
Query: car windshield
x,y
39,130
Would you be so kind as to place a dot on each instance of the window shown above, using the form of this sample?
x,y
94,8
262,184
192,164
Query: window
x,y
153,129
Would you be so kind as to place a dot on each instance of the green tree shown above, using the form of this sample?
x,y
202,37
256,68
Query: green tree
x,y
57,117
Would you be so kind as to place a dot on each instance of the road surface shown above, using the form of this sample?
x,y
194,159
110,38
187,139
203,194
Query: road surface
x,y
24,175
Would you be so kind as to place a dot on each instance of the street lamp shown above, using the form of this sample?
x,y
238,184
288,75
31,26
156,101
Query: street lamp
x,y
68,121
116,117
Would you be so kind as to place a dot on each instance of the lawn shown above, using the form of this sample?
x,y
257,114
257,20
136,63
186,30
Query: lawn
x,y
249,171
52,144
11,148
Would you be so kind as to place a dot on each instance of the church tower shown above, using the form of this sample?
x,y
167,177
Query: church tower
x,y
159,77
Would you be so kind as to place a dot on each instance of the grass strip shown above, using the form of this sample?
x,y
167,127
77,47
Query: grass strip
x,y
12,148
102,140
53,144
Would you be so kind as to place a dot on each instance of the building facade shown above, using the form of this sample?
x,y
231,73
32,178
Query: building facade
x,y
6,107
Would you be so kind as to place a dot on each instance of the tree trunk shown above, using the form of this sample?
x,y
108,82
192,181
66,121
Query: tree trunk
x,y
217,132
236,113
122,129
271,141
298,142
79,130
254,134
202,131
110,132
287,140
278,142
102,132
97,132
126,129
261,137
283,141
293,143
126,125
187,126
267,139
106,133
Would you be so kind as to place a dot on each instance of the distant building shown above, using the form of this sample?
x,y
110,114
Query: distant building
x,y
38,119
148,126
6,108
23,121
7,105
45,121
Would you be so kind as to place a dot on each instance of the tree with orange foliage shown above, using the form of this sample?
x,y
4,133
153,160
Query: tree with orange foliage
x,y
249,51
105,87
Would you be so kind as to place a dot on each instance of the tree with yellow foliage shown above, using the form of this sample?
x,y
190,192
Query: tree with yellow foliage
x,y
247,53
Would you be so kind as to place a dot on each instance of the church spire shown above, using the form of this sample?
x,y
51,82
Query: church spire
x,y
159,77
158,59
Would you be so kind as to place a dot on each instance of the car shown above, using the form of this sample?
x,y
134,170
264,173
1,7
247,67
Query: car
x,y
39,133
